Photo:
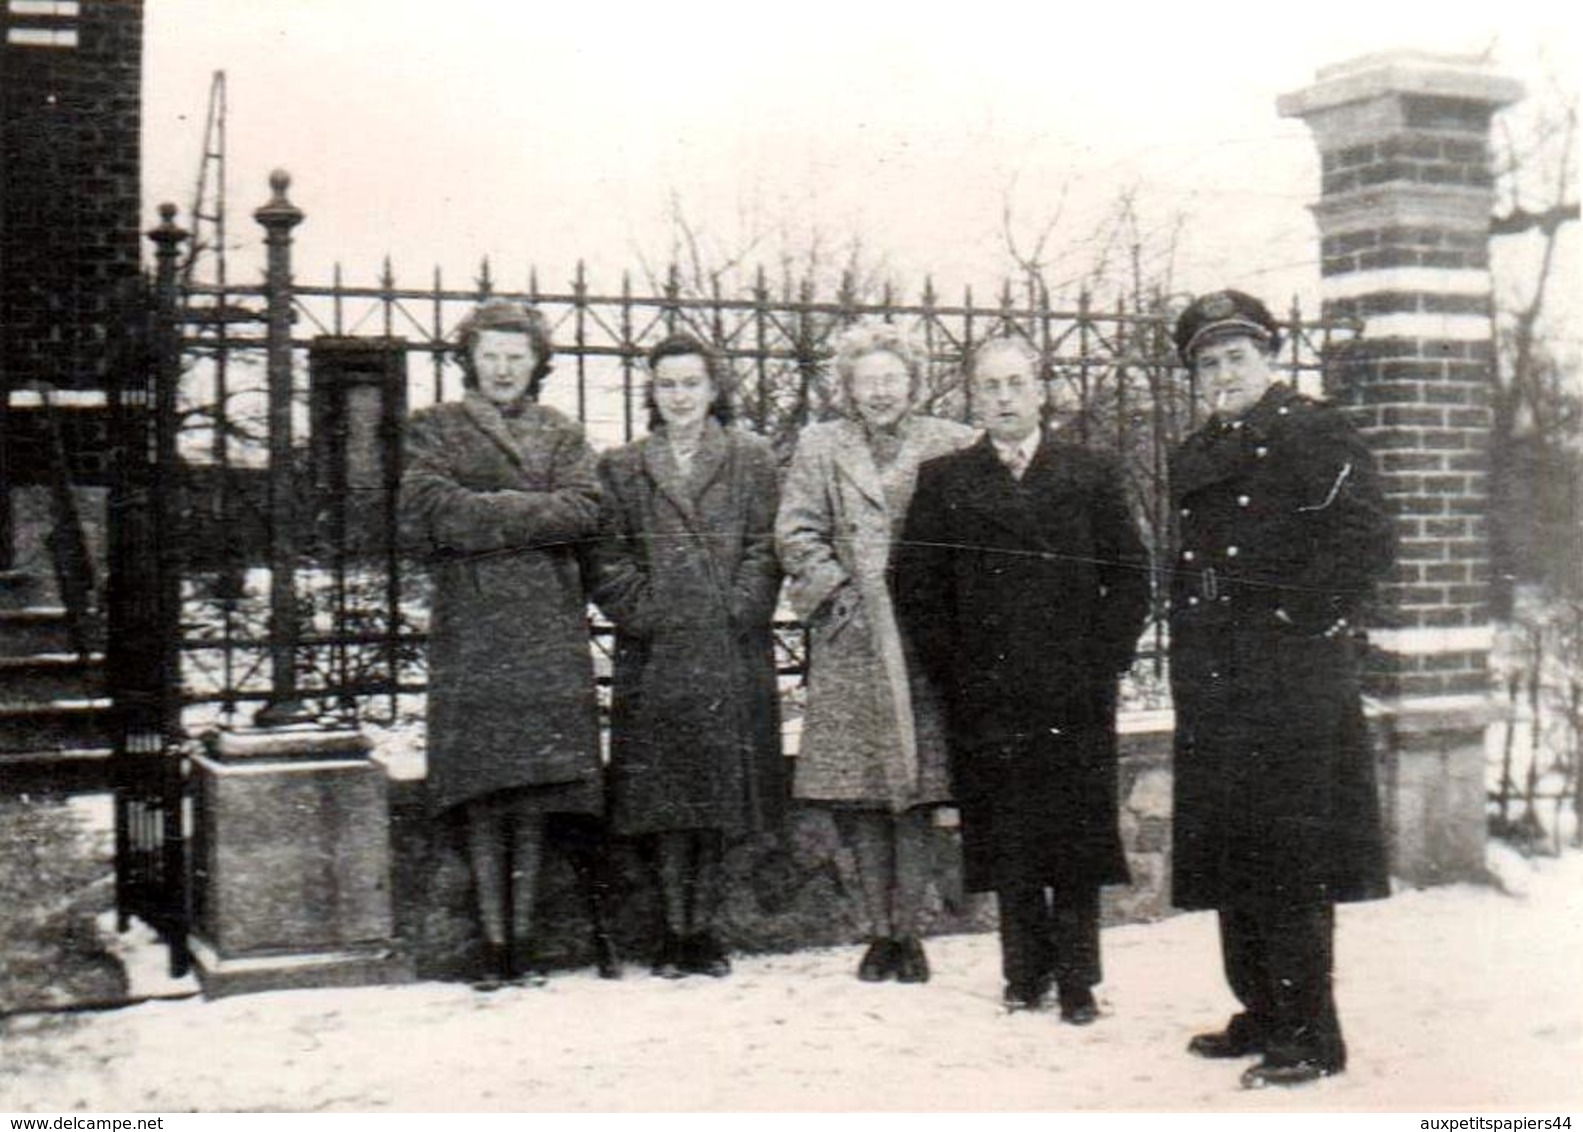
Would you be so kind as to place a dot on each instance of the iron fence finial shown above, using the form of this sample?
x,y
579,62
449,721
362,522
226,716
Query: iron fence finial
x,y
167,234
278,214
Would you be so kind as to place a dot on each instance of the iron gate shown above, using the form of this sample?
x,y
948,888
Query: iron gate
x,y
142,662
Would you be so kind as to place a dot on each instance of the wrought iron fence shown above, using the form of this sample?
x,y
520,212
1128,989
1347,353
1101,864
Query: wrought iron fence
x,y
1535,773
330,614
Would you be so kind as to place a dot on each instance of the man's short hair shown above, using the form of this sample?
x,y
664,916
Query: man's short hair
x,y
1016,343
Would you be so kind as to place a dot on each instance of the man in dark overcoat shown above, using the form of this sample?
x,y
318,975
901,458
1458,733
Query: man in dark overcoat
x,y
1281,531
1023,585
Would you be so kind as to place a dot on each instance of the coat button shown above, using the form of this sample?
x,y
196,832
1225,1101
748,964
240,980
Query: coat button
x,y
1186,512
1283,410
1192,601
1187,556
1261,452
1225,599
1232,552
1214,674
1243,501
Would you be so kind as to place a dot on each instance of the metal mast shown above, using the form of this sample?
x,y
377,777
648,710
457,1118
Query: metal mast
x,y
208,197
209,313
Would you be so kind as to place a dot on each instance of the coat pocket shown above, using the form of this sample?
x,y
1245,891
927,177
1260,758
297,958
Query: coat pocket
x,y
841,616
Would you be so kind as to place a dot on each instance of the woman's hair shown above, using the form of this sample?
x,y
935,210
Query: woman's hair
x,y
511,318
682,346
864,338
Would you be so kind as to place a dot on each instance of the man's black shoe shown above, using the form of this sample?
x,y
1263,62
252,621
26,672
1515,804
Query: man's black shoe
x,y
1242,1037
1025,998
668,962
1078,1007
703,955
1285,1073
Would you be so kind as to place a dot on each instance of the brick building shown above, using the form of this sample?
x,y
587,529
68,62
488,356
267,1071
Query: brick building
x,y
70,93
70,116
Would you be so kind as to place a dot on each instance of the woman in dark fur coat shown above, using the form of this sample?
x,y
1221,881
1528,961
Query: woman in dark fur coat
x,y
498,495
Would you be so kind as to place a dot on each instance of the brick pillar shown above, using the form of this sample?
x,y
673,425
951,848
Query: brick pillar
x,y
1403,215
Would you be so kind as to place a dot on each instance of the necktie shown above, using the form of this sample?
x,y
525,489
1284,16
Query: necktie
x,y
1017,463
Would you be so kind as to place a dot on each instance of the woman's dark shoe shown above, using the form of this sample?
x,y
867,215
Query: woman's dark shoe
x,y
606,960
526,969
879,961
912,965
494,968
705,956
1242,1037
668,962
1078,1007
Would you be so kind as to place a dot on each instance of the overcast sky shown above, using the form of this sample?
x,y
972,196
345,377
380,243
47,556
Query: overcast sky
x,y
534,133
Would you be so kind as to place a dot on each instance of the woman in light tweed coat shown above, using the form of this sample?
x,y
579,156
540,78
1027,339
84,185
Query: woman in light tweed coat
x,y
872,743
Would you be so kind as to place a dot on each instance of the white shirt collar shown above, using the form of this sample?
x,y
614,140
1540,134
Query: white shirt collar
x,y
1027,446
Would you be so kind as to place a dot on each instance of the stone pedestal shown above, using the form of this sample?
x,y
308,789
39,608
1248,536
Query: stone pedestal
x,y
291,863
1433,786
1403,214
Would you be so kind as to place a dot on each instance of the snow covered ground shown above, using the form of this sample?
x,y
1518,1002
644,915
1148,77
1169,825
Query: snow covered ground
x,y
1455,998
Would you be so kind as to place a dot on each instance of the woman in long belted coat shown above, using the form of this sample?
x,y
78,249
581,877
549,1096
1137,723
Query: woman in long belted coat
x,y
873,747
497,494
687,571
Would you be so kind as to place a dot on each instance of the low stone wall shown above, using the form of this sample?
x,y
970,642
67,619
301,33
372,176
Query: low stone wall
x,y
1145,811
794,890
783,892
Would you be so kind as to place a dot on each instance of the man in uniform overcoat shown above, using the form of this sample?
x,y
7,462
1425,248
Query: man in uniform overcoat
x,y
1023,584
1281,531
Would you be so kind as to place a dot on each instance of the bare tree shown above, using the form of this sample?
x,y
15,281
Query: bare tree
x,y
775,260
1536,402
